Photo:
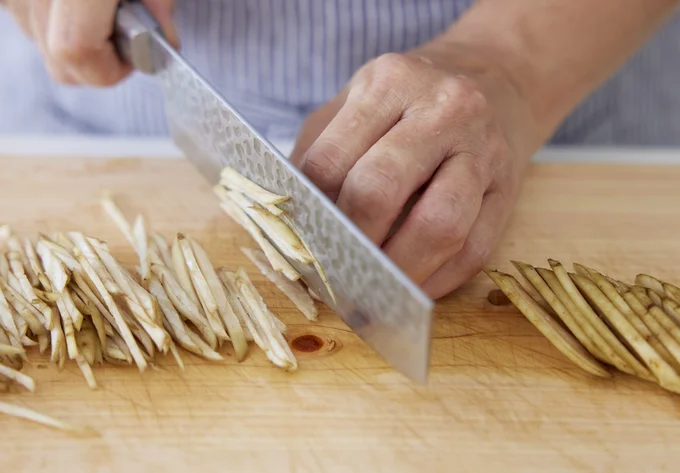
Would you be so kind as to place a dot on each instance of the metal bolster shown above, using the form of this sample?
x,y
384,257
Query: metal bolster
x,y
132,36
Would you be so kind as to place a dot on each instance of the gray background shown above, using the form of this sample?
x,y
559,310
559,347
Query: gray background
x,y
640,105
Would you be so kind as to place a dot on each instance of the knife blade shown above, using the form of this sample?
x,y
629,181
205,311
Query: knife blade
x,y
372,296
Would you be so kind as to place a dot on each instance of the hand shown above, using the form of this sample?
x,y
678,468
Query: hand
x,y
425,153
74,36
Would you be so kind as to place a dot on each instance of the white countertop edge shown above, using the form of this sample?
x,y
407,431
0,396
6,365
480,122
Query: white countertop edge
x,y
107,147
96,147
88,146
608,155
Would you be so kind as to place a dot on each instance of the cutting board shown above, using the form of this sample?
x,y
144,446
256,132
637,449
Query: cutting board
x,y
499,398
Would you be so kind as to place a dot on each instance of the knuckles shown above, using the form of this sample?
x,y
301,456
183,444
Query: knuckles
x,y
457,97
445,95
479,255
396,64
322,166
384,77
371,193
441,226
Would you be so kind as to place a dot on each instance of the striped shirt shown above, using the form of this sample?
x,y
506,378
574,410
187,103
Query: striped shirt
x,y
277,60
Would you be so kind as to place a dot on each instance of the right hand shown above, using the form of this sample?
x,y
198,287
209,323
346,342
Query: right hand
x,y
74,36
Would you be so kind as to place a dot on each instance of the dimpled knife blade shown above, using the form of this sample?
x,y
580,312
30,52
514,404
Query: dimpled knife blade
x,y
373,297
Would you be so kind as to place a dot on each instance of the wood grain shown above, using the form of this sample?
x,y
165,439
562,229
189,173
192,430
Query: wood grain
x,y
500,397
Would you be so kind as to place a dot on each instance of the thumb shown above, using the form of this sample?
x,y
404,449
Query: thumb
x,y
162,11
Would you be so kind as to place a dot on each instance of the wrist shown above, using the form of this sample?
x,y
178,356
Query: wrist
x,y
554,52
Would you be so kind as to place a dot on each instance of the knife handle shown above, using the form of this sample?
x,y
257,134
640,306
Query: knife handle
x,y
132,35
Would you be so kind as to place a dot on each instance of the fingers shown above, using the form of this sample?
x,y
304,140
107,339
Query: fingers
x,y
328,161
162,11
78,37
21,11
409,136
371,109
33,18
39,22
314,125
74,36
39,15
439,223
381,182
478,246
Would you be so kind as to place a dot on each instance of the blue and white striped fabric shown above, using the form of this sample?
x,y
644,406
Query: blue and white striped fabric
x,y
277,60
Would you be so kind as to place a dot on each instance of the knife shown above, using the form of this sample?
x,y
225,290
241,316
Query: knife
x,y
371,295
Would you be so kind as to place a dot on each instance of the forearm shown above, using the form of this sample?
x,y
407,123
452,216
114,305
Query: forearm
x,y
556,51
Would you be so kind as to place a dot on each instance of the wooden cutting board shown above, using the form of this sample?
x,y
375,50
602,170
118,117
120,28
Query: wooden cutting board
x,y
500,397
